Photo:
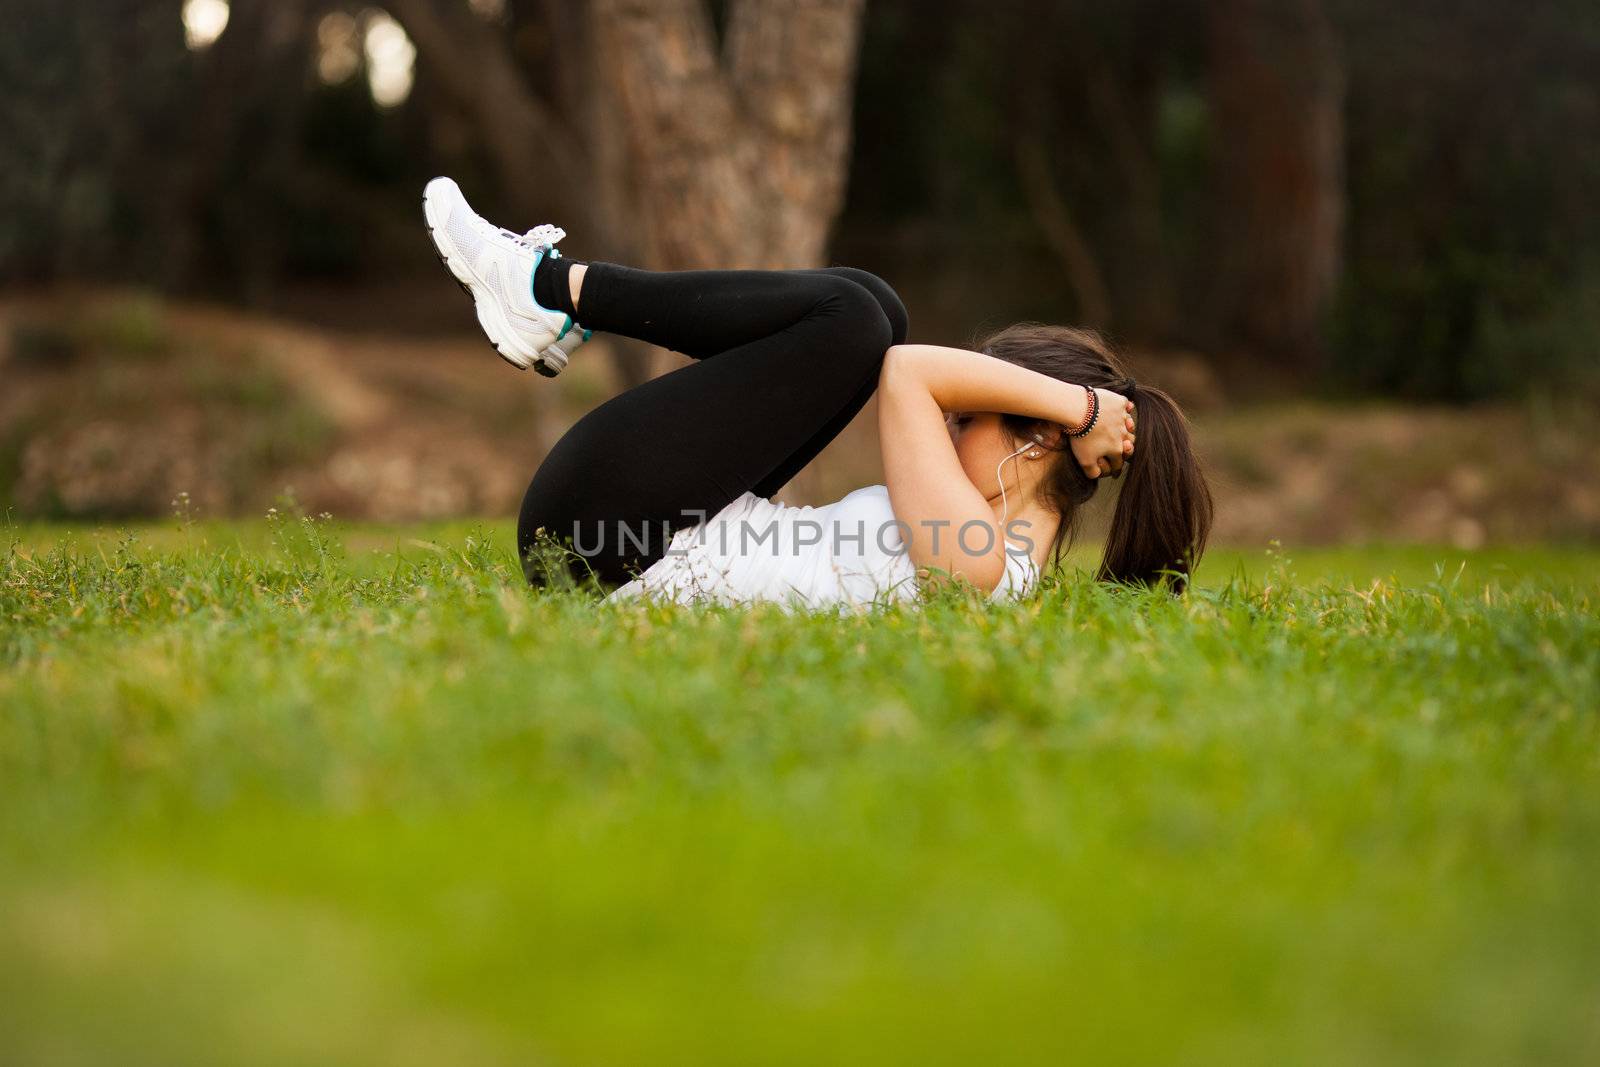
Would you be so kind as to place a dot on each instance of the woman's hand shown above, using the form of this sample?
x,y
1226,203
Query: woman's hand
x,y
1104,449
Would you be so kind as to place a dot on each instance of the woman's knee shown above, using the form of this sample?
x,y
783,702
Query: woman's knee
x,y
894,311
863,330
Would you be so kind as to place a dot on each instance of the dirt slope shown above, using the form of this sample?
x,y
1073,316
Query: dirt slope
x,y
114,404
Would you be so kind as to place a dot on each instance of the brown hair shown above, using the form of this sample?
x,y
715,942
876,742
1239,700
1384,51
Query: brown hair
x,y
1163,515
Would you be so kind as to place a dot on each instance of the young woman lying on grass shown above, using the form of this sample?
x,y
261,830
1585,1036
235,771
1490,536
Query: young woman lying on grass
x,y
664,490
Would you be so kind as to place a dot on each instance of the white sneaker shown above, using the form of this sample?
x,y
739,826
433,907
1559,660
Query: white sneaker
x,y
495,267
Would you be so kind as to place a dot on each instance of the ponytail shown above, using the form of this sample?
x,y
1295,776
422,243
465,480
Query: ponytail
x,y
1163,514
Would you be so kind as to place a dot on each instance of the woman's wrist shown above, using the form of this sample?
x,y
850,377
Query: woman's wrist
x,y
1071,405
1092,402
1091,405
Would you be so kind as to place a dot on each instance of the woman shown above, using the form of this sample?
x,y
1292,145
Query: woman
x,y
988,456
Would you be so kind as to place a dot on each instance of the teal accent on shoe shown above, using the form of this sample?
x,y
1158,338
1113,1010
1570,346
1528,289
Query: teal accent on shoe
x,y
565,328
587,334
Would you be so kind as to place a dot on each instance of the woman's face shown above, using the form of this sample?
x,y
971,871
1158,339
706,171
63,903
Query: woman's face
x,y
981,445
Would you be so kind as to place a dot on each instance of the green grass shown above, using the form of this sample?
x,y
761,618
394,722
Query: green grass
x,y
268,797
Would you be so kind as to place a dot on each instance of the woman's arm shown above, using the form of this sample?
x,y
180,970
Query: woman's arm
x,y
928,489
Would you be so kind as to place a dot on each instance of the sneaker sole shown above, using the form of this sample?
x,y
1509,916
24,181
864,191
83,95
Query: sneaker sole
x,y
489,321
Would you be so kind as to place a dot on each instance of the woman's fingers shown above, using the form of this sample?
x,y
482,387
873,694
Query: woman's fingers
x,y
1128,444
1115,444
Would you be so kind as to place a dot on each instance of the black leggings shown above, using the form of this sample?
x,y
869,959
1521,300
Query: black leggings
x,y
784,361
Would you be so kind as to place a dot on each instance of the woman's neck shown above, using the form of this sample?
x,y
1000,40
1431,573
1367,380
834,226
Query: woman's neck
x,y
1031,519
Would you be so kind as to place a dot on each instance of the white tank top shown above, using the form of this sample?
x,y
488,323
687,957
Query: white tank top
x,y
849,552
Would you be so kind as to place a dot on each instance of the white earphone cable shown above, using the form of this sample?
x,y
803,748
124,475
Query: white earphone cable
x,y
1005,506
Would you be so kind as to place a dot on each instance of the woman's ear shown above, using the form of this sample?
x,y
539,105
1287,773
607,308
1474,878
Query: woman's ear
x,y
1051,437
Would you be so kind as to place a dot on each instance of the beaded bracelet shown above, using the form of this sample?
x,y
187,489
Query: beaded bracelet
x,y
1094,414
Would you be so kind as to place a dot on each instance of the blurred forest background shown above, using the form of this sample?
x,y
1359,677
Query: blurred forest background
x,y
1358,238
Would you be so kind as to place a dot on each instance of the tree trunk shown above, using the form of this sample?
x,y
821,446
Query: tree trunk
x,y
470,64
739,159
1060,228
1277,92
251,78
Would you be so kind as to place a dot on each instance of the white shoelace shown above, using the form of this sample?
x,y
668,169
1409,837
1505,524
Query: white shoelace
x,y
536,238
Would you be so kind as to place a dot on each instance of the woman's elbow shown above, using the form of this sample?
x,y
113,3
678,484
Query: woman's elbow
x,y
982,576
896,365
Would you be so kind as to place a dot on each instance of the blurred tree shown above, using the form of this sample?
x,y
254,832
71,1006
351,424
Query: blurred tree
x,y
86,122
740,156
1277,97
1089,82
241,132
532,138
1473,263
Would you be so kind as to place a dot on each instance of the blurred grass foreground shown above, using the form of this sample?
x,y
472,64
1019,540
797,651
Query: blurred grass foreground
x,y
270,795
